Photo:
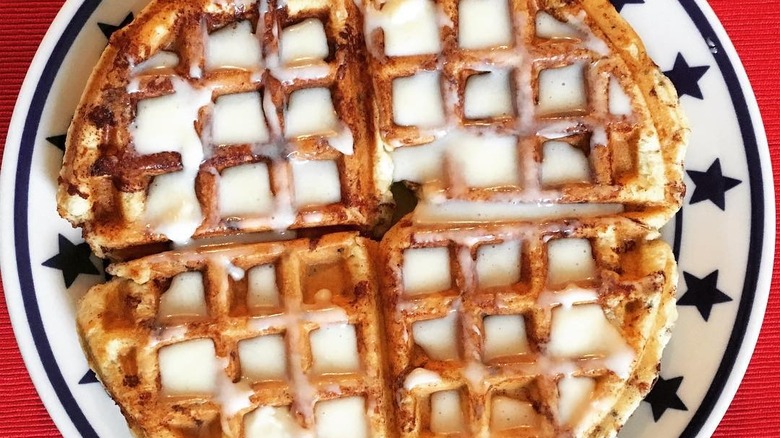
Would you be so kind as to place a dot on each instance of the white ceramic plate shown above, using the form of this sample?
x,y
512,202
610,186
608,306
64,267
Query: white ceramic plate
x,y
724,236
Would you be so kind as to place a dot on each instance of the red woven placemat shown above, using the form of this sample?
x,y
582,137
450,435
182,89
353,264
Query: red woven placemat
x,y
754,26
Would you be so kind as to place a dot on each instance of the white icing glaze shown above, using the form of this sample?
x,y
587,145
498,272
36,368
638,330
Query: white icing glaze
x,y
484,160
239,119
574,397
419,164
159,61
172,207
343,141
341,418
411,27
562,89
584,330
557,129
504,336
315,182
289,74
417,100
263,358
232,270
619,102
599,136
234,46
261,287
309,217
334,349
334,315
488,95
288,70
507,413
233,397
548,26
569,260
421,377
476,375
184,298
498,264
309,112
303,43
304,393
271,422
484,24
563,163
592,42
426,270
179,377
447,413
168,124
620,361
438,337
567,297
245,190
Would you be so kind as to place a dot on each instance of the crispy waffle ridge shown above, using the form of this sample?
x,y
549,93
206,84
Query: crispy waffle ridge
x,y
479,112
124,144
128,325
485,323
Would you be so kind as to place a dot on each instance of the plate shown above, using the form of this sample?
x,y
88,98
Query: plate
x,y
723,237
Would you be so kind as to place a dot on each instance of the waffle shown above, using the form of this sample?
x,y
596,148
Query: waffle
x,y
525,102
538,214
286,340
251,116
486,326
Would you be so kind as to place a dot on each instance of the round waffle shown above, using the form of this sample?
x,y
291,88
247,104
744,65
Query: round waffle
x,y
545,149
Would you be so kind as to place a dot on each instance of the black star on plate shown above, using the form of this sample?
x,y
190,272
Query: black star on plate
x,y
58,141
664,396
109,29
712,185
618,4
72,260
702,293
686,78
88,378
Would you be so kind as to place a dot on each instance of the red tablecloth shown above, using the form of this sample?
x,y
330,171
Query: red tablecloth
x,y
754,26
